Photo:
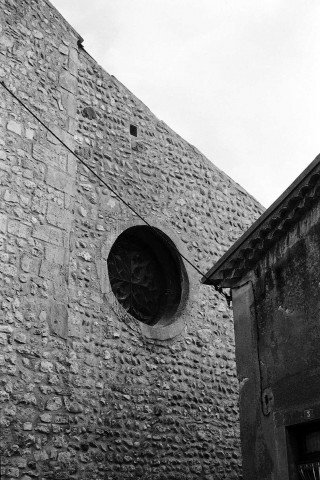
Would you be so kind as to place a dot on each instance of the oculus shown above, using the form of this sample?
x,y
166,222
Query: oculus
x,y
146,275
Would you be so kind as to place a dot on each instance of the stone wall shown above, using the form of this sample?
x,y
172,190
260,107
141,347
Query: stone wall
x,y
87,391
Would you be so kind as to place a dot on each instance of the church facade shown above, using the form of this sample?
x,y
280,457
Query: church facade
x,y
115,362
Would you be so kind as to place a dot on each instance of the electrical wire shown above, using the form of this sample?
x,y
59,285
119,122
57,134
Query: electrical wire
x,y
218,289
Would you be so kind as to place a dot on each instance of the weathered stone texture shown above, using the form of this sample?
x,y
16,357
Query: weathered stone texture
x,y
84,393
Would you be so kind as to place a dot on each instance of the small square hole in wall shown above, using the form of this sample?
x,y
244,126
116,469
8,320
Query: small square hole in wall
x,y
134,130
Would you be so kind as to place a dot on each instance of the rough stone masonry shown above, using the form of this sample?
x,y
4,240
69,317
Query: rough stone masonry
x,y
90,389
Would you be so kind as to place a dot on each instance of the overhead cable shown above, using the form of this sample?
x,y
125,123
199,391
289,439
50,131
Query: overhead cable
x,y
112,190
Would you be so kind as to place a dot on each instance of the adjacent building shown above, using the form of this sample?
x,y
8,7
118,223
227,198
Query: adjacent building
x,y
273,272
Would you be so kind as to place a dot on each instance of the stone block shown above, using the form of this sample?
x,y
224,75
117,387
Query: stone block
x,y
49,234
8,269
3,223
19,229
20,337
73,67
55,255
73,62
59,319
13,472
5,167
49,270
59,180
59,217
6,329
54,403
29,264
37,34
102,272
27,426
69,201
68,82
41,153
25,263
67,139
46,418
11,197
46,366
64,458
59,136
72,125
52,138
29,134
47,156
73,54
6,42
60,290
14,127
72,165
75,328
63,49
69,103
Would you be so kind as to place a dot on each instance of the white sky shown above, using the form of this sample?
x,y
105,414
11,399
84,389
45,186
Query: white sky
x,y
239,79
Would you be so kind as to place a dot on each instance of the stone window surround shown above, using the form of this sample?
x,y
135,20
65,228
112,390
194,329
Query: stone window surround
x,y
189,290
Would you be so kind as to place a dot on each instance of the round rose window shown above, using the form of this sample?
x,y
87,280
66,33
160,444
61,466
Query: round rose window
x,y
146,275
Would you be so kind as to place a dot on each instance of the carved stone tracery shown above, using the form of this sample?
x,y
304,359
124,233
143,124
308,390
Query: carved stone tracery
x,y
143,275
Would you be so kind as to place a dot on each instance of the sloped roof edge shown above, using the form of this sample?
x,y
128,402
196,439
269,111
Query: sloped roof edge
x,y
245,252
77,35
